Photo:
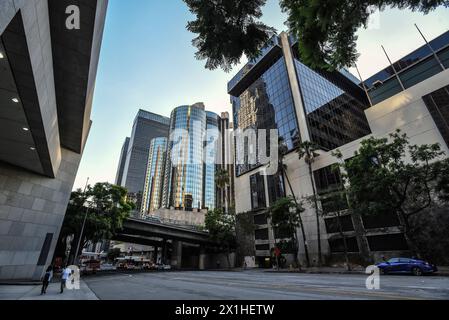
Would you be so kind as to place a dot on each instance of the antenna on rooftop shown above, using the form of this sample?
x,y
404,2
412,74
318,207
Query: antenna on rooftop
x,y
363,85
394,69
430,47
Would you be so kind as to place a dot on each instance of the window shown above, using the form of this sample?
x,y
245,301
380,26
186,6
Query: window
x,y
262,247
337,245
380,220
332,224
275,188
388,242
327,180
261,234
438,104
257,189
260,219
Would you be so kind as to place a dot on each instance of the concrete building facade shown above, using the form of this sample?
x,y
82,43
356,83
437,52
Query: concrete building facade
x,y
47,82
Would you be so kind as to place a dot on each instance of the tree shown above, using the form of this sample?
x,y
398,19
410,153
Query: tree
x,y
285,217
106,207
227,30
380,179
326,30
282,170
222,181
307,151
221,227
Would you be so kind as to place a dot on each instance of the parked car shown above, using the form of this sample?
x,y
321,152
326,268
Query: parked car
x,y
163,267
406,265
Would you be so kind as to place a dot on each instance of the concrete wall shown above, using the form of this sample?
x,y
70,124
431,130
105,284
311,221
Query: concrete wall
x,y
31,206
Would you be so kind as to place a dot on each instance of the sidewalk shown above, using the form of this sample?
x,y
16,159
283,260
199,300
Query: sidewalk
x,y
442,271
33,292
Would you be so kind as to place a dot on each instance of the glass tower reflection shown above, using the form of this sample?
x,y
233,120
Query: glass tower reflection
x,y
211,148
184,175
152,195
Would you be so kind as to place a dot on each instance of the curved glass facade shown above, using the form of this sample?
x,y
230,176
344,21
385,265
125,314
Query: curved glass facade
x,y
152,195
184,174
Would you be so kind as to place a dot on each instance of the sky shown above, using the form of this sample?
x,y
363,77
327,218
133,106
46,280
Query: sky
x,y
147,62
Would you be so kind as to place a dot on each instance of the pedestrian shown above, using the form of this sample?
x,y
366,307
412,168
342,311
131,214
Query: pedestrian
x,y
46,279
218,264
66,272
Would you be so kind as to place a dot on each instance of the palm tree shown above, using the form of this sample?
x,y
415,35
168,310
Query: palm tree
x,y
222,181
282,167
307,151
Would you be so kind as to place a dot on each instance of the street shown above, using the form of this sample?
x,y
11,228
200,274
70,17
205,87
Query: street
x,y
259,285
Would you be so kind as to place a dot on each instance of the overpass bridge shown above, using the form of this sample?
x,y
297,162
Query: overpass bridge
x,y
176,243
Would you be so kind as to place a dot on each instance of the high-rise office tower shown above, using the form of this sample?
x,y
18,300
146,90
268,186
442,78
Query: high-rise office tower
x,y
146,127
154,178
192,158
122,160
277,91
184,174
211,149
225,154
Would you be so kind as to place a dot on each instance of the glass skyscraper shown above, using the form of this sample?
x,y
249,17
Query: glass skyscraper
x,y
330,104
146,127
183,187
152,194
211,149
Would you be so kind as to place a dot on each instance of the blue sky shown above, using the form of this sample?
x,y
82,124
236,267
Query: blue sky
x,y
147,61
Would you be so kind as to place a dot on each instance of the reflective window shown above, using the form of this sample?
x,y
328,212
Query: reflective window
x,y
267,104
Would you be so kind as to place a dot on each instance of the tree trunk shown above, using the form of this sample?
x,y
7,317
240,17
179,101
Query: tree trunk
x,y
360,234
306,247
228,253
406,229
317,215
345,243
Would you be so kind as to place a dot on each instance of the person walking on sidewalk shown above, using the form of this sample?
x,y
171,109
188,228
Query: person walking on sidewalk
x,y
46,279
66,272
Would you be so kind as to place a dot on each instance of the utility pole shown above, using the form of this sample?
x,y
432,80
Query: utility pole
x,y
82,229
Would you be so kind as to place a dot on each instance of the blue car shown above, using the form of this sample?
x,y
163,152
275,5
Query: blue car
x,y
405,265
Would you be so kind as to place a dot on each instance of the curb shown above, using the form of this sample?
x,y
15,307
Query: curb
x,y
437,274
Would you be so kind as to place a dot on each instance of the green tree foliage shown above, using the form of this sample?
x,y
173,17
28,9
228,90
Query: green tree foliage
x,y
106,208
221,227
227,29
326,30
222,181
392,176
285,217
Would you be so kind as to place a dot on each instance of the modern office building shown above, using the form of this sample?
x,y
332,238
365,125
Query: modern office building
x,y
332,110
121,163
225,156
193,158
211,147
154,178
146,127
184,173
47,80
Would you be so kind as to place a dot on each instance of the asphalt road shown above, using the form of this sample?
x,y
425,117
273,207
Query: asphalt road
x,y
259,285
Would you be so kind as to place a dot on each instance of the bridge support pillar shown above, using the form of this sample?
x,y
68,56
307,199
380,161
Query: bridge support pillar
x,y
176,257
202,258
164,252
